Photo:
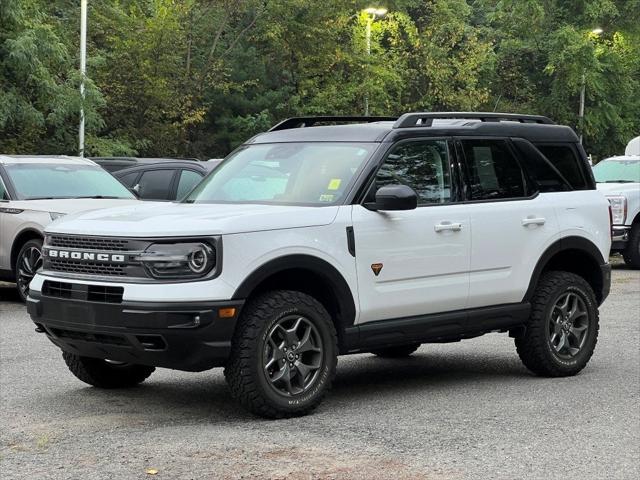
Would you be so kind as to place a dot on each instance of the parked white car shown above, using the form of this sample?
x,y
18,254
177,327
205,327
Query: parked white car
x,y
36,190
619,179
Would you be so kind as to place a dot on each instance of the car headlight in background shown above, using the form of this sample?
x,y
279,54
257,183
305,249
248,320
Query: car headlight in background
x,y
178,260
618,209
56,215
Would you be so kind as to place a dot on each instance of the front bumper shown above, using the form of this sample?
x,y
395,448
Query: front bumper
x,y
182,336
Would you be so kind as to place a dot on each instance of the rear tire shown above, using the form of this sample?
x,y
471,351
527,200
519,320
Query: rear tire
x,y
28,261
103,374
562,331
283,355
396,352
631,253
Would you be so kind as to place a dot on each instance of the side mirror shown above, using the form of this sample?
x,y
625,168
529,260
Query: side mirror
x,y
394,197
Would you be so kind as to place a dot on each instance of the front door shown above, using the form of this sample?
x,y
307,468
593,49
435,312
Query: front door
x,y
413,262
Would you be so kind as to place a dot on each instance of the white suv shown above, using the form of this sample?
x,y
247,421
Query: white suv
x,y
34,191
309,243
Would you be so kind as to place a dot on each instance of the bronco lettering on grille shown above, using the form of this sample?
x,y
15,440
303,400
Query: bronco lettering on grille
x,y
71,255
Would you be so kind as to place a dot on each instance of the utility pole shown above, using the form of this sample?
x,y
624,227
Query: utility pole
x,y
83,71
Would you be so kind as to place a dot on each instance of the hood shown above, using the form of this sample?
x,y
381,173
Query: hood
x,y
618,188
180,219
71,205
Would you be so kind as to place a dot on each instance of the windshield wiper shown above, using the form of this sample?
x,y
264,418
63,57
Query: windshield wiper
x,y
41,198
99,196
618,181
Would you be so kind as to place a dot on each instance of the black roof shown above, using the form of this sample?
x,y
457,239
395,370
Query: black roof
x,y
428,124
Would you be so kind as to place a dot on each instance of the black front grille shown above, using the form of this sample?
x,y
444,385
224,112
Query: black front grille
x,y
90,268
104,294
75,291
92,243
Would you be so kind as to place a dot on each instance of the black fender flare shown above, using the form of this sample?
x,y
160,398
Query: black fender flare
x,y
322,268
566,243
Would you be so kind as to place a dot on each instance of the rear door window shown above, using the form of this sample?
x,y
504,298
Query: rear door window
x,y
492,171
564,158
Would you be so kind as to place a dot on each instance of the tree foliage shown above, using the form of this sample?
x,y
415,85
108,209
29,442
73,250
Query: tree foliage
x,y
197,77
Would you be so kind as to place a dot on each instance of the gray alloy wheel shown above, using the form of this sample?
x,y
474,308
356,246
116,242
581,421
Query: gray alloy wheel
x,y
28,262
292,355
568,325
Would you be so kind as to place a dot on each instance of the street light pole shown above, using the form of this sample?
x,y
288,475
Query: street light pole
x,y
372,13
368,36
83,71
581,111
583,90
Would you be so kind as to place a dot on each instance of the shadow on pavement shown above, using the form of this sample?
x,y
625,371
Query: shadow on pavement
x,y
205,396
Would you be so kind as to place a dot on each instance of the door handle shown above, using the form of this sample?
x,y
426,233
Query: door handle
x,y
533,221
448,226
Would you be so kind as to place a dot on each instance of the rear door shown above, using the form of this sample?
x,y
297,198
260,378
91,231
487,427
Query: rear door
x,y
511,223
413,262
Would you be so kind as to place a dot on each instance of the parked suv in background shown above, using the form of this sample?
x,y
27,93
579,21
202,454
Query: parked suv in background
x,y
313,241
164,181
619,179
34,191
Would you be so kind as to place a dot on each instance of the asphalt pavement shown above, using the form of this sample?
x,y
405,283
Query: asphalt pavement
x,y
467,410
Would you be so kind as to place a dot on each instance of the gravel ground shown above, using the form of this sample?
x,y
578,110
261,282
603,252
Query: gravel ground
x,y
468,410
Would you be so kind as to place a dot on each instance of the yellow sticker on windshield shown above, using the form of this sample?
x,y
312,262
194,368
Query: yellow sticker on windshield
x,y
334,184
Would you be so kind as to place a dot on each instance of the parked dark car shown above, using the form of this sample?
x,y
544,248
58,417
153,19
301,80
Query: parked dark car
x,y
164,180
115,164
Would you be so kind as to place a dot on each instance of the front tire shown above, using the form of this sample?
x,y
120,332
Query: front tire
x,y
631,253
28,261
563,326
283,355
104,374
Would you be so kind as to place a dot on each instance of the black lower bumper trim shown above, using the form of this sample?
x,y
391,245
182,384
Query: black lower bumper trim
x,y
606,281
182,336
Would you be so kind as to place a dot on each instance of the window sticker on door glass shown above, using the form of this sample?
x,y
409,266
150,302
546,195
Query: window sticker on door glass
x,y
326,198
334,184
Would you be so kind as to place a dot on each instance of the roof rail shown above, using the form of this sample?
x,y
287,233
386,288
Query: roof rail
x,y
300,122
425,119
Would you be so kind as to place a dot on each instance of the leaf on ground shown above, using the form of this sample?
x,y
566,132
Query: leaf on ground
x,y
151,471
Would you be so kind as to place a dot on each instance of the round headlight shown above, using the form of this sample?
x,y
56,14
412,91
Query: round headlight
x,y
199,259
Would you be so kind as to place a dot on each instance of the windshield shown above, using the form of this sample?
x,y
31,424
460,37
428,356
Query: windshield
x,y
614,171
285,174
49,180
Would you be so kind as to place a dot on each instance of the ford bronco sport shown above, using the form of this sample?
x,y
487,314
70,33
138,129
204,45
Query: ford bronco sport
x,y
312,241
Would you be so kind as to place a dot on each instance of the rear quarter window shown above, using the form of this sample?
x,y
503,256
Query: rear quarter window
x,y
565,159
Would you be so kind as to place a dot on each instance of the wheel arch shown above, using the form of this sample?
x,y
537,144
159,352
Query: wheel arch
x,y
23,237
571,254
310,275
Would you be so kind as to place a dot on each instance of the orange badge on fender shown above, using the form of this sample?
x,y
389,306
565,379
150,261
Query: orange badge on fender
x,y
376,267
